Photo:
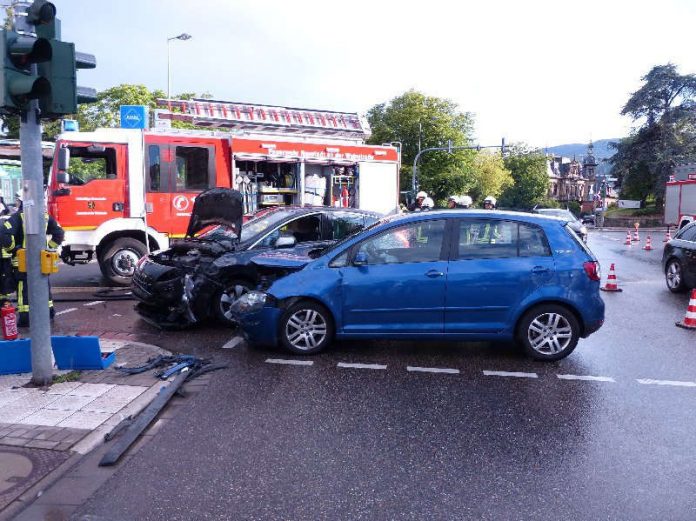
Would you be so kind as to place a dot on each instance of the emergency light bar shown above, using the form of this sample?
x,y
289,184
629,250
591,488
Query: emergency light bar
x,y
209,113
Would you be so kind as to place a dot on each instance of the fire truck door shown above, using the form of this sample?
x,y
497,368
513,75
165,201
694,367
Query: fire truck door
x,y
157,191
96,191
191,172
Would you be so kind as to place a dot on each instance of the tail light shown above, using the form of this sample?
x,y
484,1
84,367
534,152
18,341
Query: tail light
x,y
592,270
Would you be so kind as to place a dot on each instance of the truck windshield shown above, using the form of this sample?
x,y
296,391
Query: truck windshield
x,y
91,162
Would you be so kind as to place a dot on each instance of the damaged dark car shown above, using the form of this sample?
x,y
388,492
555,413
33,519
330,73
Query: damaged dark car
x,y
199,277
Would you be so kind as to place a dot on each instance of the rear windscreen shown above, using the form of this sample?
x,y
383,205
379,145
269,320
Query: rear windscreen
x,y
578,240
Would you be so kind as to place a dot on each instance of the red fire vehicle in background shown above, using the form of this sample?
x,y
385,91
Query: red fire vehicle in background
x,y
680,197
119,193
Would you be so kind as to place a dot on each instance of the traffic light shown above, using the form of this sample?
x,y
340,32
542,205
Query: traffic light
x,y
19,83
54,82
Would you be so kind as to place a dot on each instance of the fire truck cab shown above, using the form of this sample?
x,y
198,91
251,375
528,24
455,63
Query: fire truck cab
x,y
120,193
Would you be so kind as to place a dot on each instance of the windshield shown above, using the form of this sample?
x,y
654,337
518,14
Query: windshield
x,y
563,214
264,223
348,237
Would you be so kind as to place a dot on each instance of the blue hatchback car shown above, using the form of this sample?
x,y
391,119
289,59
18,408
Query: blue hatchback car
x,y
449,275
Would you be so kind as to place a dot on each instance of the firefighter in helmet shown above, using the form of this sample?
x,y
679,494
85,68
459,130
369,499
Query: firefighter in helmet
x,y
422,203
489,203
13,238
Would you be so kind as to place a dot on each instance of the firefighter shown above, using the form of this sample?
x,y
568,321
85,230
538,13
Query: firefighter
x,y
489,203
12,238
422,203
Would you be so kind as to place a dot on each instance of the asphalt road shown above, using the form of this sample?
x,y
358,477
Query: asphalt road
x,y
607,433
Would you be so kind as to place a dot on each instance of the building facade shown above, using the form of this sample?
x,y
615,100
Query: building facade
x,y
572,180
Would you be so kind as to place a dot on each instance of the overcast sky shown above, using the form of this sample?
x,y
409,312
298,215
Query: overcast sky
x,y
542,72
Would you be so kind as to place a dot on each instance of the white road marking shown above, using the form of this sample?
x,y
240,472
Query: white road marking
x,y
69,310
513,374
361,366
94,303
116,315
586,377
431,370
288,362
676,383
233,342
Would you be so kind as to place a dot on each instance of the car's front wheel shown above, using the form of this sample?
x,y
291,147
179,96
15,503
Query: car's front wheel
x,y
306,328
674,276
226,297
548,332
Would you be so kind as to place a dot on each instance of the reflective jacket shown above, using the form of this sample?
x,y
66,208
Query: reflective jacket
x,y
13,236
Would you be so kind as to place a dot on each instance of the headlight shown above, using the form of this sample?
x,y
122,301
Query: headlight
x,y
250,302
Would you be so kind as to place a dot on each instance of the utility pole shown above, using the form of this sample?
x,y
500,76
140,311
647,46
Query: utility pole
x,y
38,81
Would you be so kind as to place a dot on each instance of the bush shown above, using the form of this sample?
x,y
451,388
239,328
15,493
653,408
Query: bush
x,y
574,207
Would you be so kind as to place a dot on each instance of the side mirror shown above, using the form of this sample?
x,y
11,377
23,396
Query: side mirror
x,y
286,241
63,178
63,159
360,259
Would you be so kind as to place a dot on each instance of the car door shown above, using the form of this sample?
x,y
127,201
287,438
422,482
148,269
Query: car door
x,y
400,290
494,266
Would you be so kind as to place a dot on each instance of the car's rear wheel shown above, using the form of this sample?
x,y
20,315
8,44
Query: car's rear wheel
x,y
226,297
548,332
674,276
306,328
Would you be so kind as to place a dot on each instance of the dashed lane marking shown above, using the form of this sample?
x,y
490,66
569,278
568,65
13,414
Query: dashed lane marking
x,y
675,383
586,378
288,362
96,302
513,374
361,366
445,370
233,342
69,310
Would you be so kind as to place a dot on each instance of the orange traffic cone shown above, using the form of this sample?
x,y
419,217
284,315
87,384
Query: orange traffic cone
x,y
636,237
648,244
690,318
668,236
611,284
628,238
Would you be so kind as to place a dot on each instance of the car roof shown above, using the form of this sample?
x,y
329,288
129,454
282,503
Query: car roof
x,y
475,213
312,209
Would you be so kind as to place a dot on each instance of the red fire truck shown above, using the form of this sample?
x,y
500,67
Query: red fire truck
x,y
120,193
680,199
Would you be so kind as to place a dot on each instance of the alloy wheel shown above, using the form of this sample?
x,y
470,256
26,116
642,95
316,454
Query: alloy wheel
x,y
306,329
674,275
550,333
228,297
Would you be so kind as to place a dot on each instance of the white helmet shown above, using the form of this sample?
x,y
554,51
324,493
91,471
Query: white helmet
x,y
490,199
421,195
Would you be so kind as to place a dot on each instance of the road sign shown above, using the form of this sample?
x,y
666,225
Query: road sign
x,y
134,116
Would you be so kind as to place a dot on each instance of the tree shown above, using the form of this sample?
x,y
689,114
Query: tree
x,y
664,106
418,121
531,181
490,175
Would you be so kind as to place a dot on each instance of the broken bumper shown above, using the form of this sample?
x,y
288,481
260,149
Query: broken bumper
x,y
261,327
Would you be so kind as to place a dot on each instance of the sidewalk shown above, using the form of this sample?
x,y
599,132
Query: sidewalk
x,y
45,431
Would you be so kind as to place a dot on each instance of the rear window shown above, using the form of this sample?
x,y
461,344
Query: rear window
x,y
688,234
578,240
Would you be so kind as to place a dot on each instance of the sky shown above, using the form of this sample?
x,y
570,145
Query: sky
x,y
535,71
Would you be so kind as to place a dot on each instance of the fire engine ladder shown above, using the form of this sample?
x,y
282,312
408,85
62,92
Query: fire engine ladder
x,y
264,118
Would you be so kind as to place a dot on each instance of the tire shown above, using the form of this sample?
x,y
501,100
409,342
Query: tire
x,y
548,332
317,323
226,297
119,261
674,276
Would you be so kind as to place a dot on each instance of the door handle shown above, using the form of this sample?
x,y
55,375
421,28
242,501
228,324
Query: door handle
x,y
434,273
540,269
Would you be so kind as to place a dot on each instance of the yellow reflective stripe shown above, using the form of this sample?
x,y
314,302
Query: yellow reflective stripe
x,y
20,291
52,244
8,225
23,309
80,228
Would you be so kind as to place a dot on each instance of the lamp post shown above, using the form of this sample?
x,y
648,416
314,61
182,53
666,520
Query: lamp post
x,y
182,36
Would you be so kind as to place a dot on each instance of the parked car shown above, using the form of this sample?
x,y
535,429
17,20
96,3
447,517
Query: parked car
x,y
589,218
577,226
475,275
200,276
679,260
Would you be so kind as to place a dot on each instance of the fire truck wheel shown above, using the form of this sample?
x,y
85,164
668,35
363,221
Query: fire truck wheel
x,y
226,297
120,259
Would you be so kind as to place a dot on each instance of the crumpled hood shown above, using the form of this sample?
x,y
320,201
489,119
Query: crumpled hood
x,y
283,260
216,206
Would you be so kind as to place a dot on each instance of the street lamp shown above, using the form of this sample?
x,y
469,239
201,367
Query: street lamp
x,y
182,36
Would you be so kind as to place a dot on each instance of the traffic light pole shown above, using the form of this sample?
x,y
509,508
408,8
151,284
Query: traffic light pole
x,y
35,236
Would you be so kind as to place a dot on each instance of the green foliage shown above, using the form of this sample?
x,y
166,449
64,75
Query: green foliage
x,y
574,207
490,176
414,117
667,134
531,182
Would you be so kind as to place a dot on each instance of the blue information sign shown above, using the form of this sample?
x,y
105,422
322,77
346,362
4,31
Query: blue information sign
x,y
134,116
